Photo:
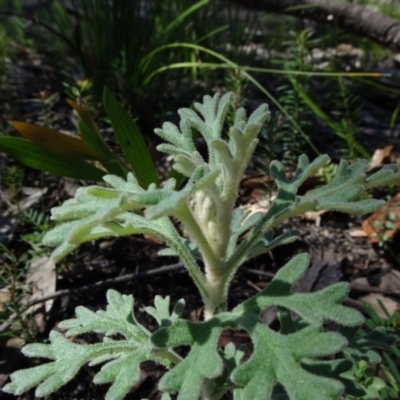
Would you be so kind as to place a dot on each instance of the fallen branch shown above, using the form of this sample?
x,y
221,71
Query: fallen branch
x,y
359,19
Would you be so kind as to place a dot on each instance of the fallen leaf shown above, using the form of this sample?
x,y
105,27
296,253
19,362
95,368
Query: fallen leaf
x,y
379,157
153,239
34,195
372,299
314,216
263,204
42,276
42,280
383,223
389,284
5,297
16,343
70,187
357,233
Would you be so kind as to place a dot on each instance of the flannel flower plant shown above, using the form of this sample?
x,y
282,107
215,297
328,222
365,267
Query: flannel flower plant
x,y
301,361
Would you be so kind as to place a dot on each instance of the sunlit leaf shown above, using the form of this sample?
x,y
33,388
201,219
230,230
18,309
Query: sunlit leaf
x,y
37,157
57,142
131,141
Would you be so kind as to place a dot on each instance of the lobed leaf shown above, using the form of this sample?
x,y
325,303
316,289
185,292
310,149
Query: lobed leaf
x,y
122,358
161,311
117,318
68,359
278,357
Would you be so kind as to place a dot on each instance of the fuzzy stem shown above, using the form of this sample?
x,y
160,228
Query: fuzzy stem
x,y
188,259
209,258
214,266
198,237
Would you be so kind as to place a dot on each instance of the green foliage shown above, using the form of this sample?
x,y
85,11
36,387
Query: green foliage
x,y
52,151
112,39
290,138
301,360
384,331
14,288
130,140
303,97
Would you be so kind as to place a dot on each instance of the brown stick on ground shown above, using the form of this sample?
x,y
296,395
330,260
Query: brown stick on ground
x,y
355,18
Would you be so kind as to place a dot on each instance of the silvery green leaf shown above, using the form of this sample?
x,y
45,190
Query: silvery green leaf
x,y
335,369
349,182
361,345
116,371
259,115
117,318
276,357
173,150
122,358
203,361
388,175
68,359
313,308
171,133
170,203
161,311
268,243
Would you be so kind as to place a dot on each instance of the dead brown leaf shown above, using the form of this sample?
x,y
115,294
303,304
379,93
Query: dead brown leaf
x,y
385,222
357,233
5,297
42,279
380,156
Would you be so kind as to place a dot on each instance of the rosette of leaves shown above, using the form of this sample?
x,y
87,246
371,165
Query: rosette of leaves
x,y
302,360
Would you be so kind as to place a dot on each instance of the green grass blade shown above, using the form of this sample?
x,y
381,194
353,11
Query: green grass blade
x,y
227,64
131,141
37,157
337,128
183,15
392,366
212,33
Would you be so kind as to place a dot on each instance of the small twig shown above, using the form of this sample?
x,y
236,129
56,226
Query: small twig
x,y
255,287
257,272
94,286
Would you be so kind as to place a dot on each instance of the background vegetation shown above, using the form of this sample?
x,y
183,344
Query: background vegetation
x,y
109,72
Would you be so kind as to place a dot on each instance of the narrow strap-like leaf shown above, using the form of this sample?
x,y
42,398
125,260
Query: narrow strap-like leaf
x,y
57,142
37,157
131,141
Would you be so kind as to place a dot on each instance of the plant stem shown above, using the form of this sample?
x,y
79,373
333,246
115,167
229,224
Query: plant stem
x,y
214,266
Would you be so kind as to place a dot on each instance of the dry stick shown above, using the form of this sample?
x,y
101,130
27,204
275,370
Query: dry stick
x,y
94,286
355,18
257,272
